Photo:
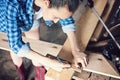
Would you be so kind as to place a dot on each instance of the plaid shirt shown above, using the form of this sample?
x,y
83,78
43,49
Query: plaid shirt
x,y
16,16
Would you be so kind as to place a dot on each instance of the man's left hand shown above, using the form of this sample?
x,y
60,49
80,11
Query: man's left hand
x,y
80,58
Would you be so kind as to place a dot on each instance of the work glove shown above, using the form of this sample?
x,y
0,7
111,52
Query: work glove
x,y
90,3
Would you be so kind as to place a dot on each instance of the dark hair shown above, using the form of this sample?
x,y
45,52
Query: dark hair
x,y
71,4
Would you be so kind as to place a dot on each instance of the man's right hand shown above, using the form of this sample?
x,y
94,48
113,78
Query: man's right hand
x,y
58,66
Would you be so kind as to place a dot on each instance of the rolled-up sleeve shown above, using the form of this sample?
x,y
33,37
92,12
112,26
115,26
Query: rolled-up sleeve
x,y
14,33
67,24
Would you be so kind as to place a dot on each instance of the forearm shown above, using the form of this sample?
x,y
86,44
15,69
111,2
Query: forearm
x,y
38,58
79,57
33,55
73,42
42,60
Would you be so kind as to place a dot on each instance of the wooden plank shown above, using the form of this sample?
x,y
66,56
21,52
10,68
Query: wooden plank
x,y
55,75
98,64
97,32
88,23
41,47
66,74
78,13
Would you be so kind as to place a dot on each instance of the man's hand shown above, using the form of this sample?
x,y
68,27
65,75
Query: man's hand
x,y
57,63
80,59
58,66
90,3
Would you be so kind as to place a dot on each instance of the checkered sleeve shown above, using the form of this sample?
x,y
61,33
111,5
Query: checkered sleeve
x,y
14,33
67,24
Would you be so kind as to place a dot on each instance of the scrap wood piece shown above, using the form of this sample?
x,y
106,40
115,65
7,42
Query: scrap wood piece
x,y
44,47
55,75
88,23
98,64
41,47
51,74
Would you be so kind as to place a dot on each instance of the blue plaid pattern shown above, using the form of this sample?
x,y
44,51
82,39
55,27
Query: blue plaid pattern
x,y
16,17
66,21
49,23
63,22
67,24
2,15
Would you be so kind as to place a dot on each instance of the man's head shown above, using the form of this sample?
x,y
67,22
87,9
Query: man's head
x,y
57,9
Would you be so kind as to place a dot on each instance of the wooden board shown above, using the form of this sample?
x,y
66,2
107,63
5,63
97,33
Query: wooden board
x,y
41,47
55,75
98,64
88,22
